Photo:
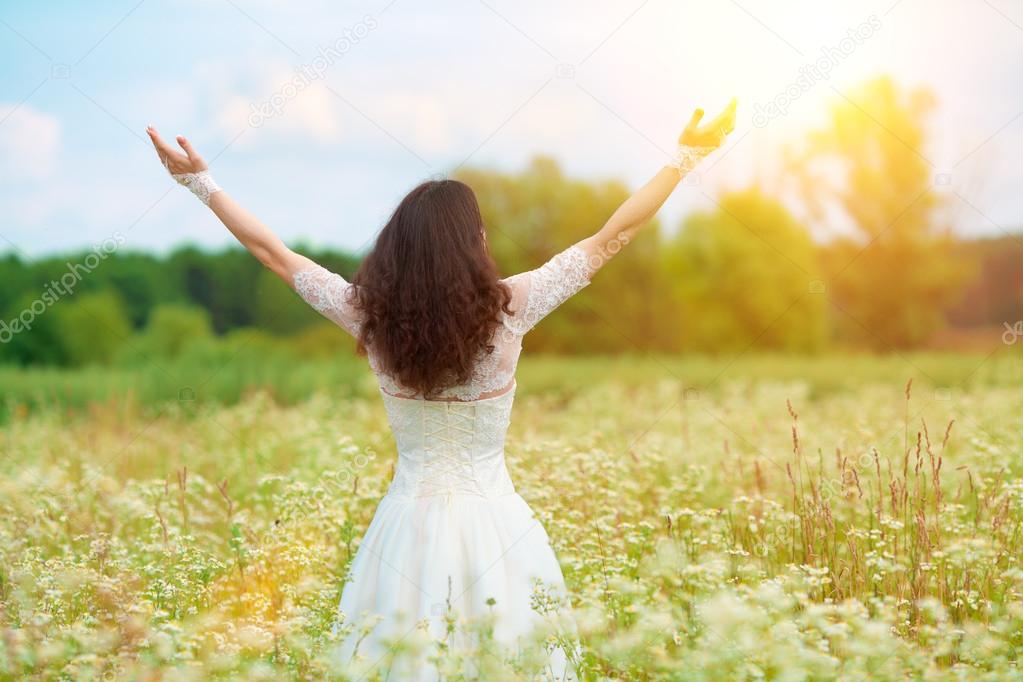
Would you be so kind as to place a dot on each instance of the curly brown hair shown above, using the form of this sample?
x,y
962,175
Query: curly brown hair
x,y
429,290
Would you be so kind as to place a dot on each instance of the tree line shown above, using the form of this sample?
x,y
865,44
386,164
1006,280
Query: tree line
x,y
745,273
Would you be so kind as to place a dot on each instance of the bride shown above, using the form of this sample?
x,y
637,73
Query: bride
x,y
451,541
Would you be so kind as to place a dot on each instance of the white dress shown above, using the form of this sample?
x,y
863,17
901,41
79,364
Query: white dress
x,y
451,538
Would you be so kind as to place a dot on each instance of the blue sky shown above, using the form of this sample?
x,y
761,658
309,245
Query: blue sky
x,y
418,89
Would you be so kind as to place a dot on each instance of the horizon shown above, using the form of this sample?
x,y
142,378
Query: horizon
x,y
303,245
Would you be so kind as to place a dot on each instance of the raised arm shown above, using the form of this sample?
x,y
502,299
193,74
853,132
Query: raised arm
x,y
695,142
537,293
325,291
191,170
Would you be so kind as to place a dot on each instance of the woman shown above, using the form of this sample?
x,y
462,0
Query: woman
x,y
451,541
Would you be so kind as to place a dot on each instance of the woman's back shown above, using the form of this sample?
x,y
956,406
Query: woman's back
x,y
534,294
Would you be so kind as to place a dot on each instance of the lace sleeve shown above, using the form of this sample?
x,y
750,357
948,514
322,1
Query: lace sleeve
x,y
550,285
328,293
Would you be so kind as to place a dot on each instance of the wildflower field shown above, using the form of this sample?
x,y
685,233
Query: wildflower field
x,y
830,518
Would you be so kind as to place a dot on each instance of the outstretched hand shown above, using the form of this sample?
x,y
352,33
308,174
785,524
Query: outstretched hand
x,y
173,160
710,134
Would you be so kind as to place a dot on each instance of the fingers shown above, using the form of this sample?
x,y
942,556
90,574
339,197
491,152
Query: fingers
x,y
725,117
175,161
168,156
730,118
695,120
193,155
724,122
161,147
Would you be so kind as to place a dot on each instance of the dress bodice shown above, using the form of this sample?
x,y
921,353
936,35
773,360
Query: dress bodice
x,y
448,447
454,445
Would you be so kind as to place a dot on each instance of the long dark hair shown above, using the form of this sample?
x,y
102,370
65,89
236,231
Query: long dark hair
x,y
429,290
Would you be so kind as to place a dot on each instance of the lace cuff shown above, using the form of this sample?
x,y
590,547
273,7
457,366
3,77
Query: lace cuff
x,y
200,184
687,157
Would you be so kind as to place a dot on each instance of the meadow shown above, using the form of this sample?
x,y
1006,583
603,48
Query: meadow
x,y
835,517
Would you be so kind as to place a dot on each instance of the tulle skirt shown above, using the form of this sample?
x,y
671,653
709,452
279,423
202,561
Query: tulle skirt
x,y
446,576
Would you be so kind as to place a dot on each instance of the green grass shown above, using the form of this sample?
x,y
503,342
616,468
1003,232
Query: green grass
x,y
224,376
778,518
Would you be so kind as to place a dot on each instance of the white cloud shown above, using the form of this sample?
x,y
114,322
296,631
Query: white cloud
x,y
29,142
269,100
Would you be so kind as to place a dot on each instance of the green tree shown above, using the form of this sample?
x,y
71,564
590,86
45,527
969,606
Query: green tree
x,y
532,215
891,281
278,309
173,327
29,333
140,280
15,276
223,283
744,274
92,327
